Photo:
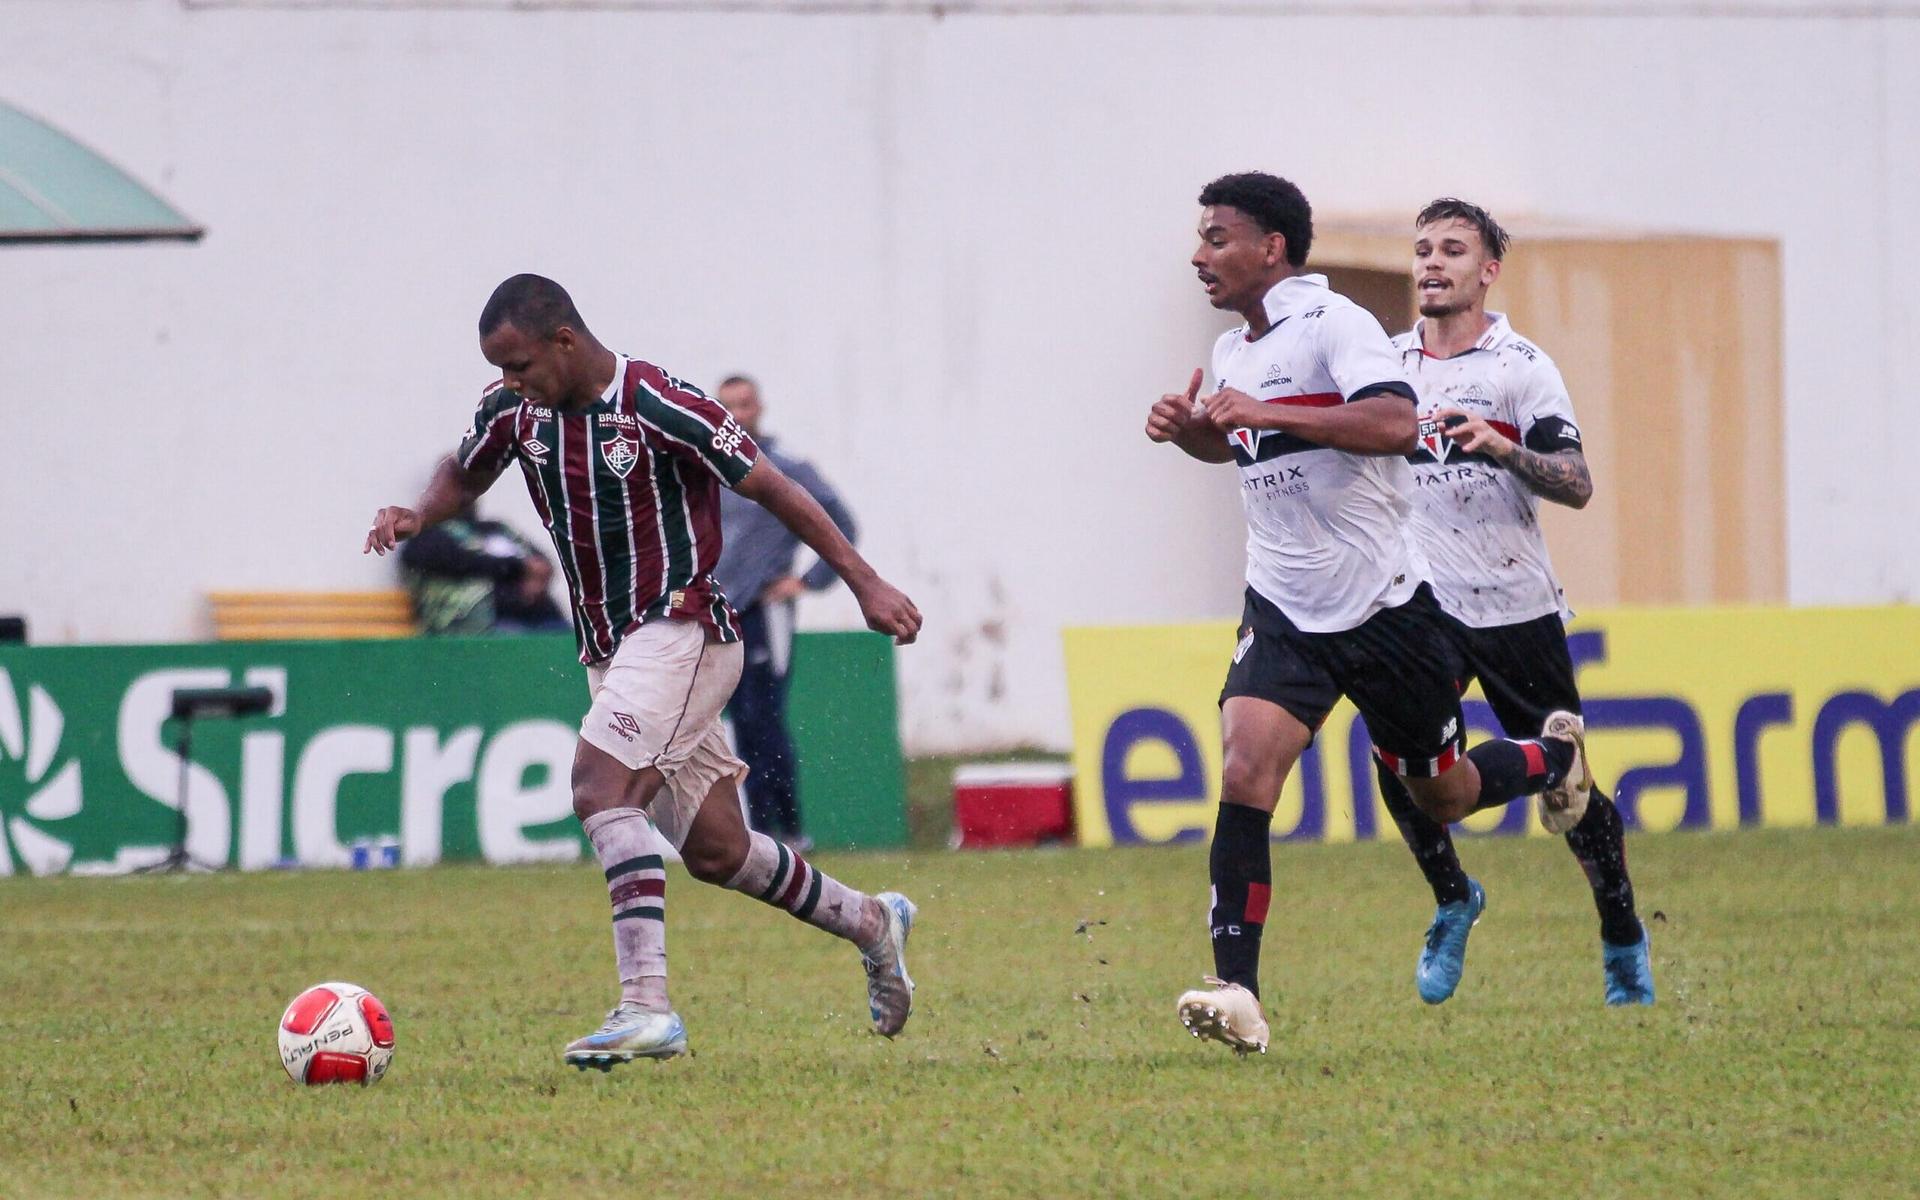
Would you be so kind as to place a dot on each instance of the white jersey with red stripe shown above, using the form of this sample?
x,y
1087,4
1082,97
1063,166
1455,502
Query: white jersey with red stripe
x,y
1327,531
1478,524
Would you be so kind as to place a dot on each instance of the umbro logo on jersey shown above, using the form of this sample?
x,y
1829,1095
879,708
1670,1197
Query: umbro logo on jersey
x,y
620,454
536,450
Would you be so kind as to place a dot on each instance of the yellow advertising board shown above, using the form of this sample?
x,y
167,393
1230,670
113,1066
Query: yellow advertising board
x,y
1708,718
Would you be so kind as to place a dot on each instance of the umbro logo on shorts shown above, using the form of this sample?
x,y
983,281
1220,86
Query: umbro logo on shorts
x,y
624,725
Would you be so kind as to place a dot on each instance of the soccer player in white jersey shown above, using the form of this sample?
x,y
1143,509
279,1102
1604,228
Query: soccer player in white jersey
x,y
1497,436
1311,404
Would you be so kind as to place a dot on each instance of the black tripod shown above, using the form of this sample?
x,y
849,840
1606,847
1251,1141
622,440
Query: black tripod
x,y
189,703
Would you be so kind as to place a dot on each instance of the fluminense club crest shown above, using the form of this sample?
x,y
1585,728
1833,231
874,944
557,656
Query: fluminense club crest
x,y
620,453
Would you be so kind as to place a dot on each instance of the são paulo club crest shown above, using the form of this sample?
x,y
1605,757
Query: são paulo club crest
x,y
620,453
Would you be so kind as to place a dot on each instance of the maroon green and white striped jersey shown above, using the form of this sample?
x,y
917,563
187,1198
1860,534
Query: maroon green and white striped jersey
x,y
629,488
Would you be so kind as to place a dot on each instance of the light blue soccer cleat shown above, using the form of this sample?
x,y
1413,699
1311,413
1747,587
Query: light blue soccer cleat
x,y
630,1032
889,987
1629,971
1445,956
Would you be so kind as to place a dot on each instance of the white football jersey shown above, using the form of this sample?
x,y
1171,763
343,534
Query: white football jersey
x,y
1478,524
1328,539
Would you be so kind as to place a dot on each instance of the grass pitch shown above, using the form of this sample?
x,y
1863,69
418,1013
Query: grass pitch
x,y
137,1024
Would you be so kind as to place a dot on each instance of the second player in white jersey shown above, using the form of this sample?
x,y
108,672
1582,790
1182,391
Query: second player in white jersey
x,y
1476,520
1326,530
1312,408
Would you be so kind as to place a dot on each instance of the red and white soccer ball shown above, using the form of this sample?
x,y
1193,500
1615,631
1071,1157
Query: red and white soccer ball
x,y
336,1033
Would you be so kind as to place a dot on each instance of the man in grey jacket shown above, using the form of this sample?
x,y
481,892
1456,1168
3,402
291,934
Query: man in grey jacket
x,y
756,572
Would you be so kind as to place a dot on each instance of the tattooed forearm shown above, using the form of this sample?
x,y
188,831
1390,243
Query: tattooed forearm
x,y
1561,477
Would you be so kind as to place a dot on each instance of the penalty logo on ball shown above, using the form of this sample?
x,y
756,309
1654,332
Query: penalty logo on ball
x,y
336,1033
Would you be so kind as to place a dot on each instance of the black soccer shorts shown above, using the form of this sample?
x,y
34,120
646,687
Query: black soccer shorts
x,y
1525,670
1402,668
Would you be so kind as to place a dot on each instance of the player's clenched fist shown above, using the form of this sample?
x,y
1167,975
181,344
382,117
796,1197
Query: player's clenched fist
x,y
888,611
1230,408
391,526
1171,413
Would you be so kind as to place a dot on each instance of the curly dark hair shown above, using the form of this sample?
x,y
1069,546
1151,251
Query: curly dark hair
x,y
1451,208
1275,205
533,304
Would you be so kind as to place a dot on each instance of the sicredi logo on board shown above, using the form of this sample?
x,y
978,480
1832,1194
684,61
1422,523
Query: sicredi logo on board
x,y
294,779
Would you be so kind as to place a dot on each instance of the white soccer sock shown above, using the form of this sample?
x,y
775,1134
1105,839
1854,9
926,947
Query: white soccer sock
x,y
783,879
624,840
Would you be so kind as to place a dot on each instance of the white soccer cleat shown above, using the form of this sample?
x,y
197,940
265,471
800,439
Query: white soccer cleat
x,y
1563,804
630,1032
889,987
1225,1012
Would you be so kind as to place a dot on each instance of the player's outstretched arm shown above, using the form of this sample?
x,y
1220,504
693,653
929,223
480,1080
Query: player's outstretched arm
x,y
1557,475
1173,418
1381,423
451,489
885,607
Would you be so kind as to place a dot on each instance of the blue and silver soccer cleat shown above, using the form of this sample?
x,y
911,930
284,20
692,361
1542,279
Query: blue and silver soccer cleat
x,y
1629,971
1445,956
630,1032
889,987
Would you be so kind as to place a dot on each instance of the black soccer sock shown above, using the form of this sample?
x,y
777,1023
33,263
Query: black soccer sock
x,y
1599,843
1429,840
1241,868
1510,769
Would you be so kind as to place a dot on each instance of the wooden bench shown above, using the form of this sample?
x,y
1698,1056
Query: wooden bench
x,y
276,616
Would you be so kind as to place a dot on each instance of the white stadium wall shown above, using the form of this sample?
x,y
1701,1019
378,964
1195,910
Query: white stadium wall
x,y
954,250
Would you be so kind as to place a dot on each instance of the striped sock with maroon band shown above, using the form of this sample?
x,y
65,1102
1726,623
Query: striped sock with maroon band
x,y
1511,769
1240,864
628,849
780,877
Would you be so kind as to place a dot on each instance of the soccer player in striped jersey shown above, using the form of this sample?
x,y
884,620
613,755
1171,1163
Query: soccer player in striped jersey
x,y
1312,407
1497,436
625,464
